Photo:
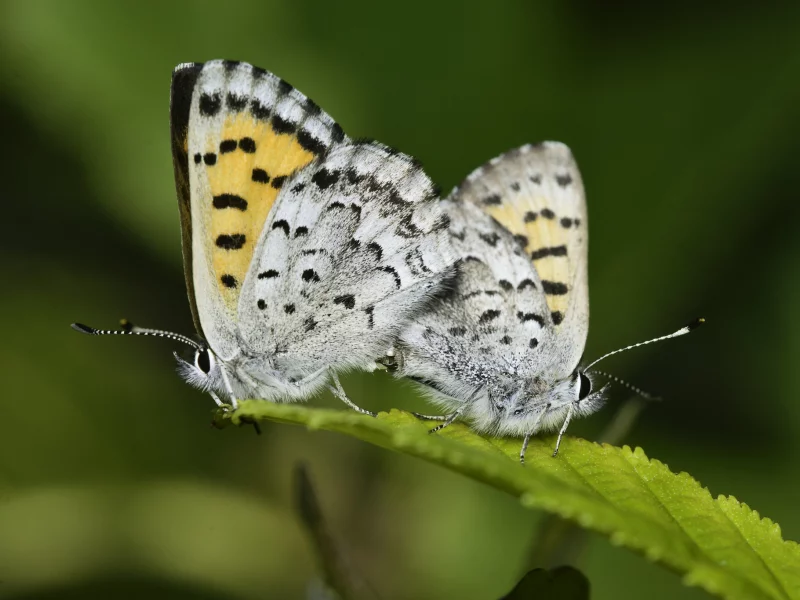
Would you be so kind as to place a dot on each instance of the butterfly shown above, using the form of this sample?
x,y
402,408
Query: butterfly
x,y
502,348
304,251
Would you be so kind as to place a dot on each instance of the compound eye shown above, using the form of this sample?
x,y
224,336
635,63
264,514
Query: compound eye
x,y
518,411
586,387
202,360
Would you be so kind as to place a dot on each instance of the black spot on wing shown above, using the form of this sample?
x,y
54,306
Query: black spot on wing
x,y
506,285
197,158
457,331
210,104
261,304
281,224
282,126
310,275
233,241
210,159
549,251
229,281
554,288
310,143
347,300
288,308
229,201
370,310
235,103
515,186
526,283
493,200
277,182
533,343
268,274
260,176
376,249
566,222
299,187
324,178
284,87
488,316
337,133
300,231
547,213
530,216
311,108
505,340
247,145
522,240
259,111
226,146
563,180
525,317
309,323
557,317
537,179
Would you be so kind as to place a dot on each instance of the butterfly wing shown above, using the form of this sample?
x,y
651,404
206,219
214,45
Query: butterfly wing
x,y
355,245
494,323
537,194
238,133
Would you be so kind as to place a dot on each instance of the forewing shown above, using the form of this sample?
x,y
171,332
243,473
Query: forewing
x,y
355,246
238,133
536,193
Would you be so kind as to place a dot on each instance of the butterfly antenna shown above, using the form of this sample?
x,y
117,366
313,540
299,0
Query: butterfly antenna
x,y
638,391
129,328
682,331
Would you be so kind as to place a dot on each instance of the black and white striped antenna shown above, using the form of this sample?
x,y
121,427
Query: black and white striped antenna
x,y
682,331
130,329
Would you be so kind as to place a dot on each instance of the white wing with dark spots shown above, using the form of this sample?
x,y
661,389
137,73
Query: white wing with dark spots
x,y
536,193
354,247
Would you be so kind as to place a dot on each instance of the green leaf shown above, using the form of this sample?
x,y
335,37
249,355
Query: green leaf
x,y
720,545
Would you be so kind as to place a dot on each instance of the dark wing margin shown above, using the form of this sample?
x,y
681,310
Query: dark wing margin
x,y
184,78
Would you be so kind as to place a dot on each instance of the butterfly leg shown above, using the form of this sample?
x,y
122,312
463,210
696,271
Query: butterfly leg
x,y
229,388
528,436
216,399
338,391
525,442
422,417
564,428
448,420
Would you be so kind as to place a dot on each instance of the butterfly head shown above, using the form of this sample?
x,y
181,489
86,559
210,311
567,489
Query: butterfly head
x,y
540,404
203,370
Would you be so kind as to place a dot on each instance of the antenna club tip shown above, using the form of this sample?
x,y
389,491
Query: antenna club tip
x,y
80,327
696,323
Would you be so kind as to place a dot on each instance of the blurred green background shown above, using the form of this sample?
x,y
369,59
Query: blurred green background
x,y
684,119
